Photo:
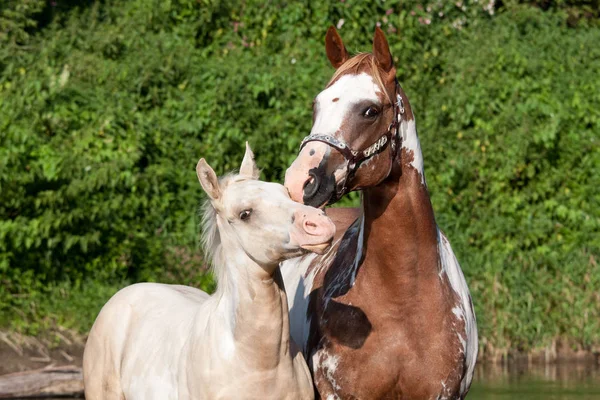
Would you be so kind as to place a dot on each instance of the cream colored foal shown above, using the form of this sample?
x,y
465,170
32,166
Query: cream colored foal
x,y
156,341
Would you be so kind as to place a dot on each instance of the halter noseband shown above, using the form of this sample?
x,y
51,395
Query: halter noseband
x,y
356,157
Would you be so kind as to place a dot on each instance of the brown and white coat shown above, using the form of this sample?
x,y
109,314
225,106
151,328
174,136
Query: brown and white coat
x,y
386,312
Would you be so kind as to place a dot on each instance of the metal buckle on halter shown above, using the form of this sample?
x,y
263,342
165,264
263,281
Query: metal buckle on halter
x,y
400,105
398,118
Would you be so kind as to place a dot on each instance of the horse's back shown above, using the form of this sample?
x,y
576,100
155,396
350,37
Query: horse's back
x,y
134,347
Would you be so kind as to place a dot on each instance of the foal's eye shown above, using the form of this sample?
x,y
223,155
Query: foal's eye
x,y
244,215
371,112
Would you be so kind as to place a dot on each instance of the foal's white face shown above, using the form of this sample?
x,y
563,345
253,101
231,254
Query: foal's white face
x,y
261,218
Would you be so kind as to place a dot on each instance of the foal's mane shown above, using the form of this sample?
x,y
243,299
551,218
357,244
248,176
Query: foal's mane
x,y
355,64
211,238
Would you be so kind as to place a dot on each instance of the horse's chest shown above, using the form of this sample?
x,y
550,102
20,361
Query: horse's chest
x,y
363,355
344,373
381,373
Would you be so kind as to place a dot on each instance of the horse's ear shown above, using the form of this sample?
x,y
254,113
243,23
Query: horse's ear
x,y
249,168
208,179
336,51
381,51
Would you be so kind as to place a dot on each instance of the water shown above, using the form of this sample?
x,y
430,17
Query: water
x,y
566,381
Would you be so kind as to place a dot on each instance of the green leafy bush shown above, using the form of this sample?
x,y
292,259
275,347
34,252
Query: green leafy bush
x,y
513,135
105,108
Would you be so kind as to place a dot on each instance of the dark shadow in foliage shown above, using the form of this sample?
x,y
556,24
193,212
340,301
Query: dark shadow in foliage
x,y
55,9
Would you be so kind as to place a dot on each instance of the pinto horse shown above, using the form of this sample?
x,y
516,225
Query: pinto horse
x,y
154,341
386,313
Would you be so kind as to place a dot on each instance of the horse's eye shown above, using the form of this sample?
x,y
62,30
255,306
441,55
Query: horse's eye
x,y
244,215
371,112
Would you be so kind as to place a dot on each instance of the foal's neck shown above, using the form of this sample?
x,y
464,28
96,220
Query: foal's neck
x,y
256,302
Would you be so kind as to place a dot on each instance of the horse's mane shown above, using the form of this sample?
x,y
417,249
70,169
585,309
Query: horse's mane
x,y
211,239
355,64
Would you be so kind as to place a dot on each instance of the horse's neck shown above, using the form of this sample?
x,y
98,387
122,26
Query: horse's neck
x,y
254,306
399,224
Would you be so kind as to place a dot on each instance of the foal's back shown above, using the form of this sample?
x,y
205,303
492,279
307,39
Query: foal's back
x,y
135,345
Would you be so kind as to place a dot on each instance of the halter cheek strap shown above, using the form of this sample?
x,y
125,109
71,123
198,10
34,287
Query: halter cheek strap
x,y
354,158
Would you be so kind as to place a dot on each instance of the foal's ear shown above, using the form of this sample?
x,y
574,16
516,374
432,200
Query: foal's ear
x,y
336,51
208,179
249,168
381,51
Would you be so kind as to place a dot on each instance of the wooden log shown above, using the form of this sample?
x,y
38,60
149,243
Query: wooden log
x,y
47,382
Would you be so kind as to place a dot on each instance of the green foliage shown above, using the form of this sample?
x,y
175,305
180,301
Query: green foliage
x,y
105,108
513,136
17,18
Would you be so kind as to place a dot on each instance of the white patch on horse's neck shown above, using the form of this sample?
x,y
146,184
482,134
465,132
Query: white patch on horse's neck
x,y
332,104
410,142
463,310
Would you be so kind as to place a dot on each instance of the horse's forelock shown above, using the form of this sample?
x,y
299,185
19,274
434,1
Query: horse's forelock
x,y
355,64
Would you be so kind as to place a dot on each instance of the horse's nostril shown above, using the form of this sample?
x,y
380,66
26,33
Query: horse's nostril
x,y
311,186
309,181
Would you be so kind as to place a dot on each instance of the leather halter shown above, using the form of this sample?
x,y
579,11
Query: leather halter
x,y
356,157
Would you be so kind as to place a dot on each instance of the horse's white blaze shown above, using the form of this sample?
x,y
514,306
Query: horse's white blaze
x,y
410,142
463,310
348,90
